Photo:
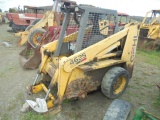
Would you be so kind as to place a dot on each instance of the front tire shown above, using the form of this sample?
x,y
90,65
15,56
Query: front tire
x,y
34,35
114,82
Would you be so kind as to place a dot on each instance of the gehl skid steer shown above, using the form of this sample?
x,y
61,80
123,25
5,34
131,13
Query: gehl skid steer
x,y
95,56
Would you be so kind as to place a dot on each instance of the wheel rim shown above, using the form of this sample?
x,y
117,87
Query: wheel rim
x,y
119,86
35,41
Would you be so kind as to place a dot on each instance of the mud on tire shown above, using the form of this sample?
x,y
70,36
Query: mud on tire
x,y
115,82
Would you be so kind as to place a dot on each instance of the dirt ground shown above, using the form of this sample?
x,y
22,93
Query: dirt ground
x,y
142,90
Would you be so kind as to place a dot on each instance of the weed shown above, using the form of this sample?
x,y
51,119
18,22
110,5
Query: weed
x,y
151,57
74,115
13,103
137,83
147,85
11,106
156,102
66,101
35,116
146,73
5,117
141,104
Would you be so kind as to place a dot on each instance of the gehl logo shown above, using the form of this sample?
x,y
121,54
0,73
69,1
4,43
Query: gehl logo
x,y
133,51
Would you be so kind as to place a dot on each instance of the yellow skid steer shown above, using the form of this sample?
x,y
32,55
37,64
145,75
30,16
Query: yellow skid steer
x,y
150,31
95,56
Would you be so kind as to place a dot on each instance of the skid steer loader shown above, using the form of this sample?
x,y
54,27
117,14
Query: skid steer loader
x,y
30,56
92,57
150,31
50,18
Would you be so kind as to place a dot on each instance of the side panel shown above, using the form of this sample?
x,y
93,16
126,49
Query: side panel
x,y
23,18
129,50
89,53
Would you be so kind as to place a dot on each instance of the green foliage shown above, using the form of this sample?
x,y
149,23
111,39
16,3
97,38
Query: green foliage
x,y
156,102
5,117
34,116
151,57
12,10
137,18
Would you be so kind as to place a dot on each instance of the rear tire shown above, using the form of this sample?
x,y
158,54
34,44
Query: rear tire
x,y
114,82
35,21
33,36
118,110
29,27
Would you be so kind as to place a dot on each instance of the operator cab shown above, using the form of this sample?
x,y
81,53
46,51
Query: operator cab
x,y
89,25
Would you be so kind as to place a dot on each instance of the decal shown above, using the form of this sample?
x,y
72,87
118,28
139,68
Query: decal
x,y
78,59
133,51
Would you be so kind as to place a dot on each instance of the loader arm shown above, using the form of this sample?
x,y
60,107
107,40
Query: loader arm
x,y
48,19
87,55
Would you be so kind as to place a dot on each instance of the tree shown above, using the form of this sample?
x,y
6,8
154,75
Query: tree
x,y
0,10
13,10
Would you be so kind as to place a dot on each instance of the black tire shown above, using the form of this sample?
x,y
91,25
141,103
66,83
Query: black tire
x,y
118,110
31,36
14,28
29,27
35,21
114,76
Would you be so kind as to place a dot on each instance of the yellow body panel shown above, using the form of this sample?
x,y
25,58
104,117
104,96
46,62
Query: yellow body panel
x,y
88,55
154,32
100,64
130,46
